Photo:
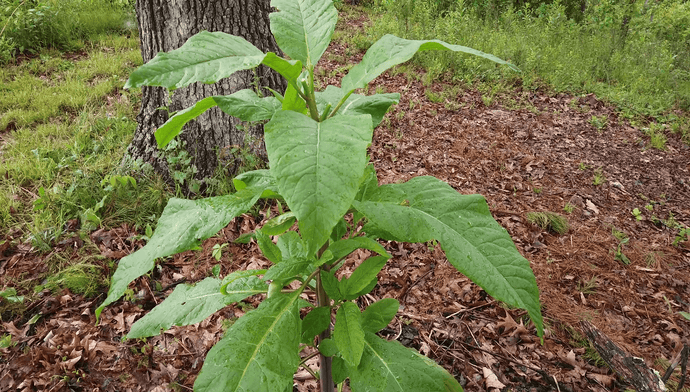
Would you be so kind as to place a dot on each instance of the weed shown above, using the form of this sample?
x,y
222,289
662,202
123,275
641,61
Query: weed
x,y
582,166
657,138
682,236
218,251
433,96
599,122
637,214
622,239
549,221
588,287
569,208
652,258
81,278
598,177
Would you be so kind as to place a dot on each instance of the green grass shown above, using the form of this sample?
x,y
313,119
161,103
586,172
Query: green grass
x,y
645,73
68,124
30,26
549,221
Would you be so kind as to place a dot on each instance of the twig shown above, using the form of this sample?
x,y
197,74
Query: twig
x,y
402,297
469,309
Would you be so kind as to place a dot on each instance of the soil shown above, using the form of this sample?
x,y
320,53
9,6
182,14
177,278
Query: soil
x,y
527,151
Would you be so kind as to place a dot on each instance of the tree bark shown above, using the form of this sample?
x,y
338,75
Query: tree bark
x,y
165,25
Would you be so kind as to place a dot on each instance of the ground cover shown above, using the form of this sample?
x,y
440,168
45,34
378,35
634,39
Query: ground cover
x,y
526,151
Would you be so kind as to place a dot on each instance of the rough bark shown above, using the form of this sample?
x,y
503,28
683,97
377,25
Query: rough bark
x,y
165,25
631,369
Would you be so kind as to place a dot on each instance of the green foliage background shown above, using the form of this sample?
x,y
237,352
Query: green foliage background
x,y
636,56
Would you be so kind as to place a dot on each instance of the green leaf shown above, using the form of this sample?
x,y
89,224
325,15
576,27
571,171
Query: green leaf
x,y
192,304
339,230
244,104
369,184
379,314
391,367
348,333
340,371
366,290
342,248
303,28
426,208
331,285
318,167
181,226
257,178
226,284
685,314
205,57
291,246
259,352
328,348
391,50
375,105
292,101
288,269
267,247
315,322
290,69
279,224
363,275
10,294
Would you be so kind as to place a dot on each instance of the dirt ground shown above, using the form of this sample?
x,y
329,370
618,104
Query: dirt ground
x,y
528,151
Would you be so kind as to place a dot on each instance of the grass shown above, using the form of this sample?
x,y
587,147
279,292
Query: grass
x,y
644,72
30,26
66,124
549,221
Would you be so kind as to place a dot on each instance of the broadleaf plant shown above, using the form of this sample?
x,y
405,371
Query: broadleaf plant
x,y
317,150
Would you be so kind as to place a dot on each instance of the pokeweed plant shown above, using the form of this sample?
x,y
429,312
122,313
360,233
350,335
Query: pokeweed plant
x,y
317,149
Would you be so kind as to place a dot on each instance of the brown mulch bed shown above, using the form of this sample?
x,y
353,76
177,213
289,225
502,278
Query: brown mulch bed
x,y
536,158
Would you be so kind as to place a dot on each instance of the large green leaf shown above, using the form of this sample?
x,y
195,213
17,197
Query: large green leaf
x,y
391,50
344,247
303,28
244,104
363,275
315,322
191,304
379,314
318,167
391,367
290,69
259,352
267,247
205,57
426,208
181,226
375,105
348,333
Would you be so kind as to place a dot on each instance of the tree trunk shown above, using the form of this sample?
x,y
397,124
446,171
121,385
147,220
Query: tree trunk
x,y
165,25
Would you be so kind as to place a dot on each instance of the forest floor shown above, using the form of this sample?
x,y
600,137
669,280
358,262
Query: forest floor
x,y
525,151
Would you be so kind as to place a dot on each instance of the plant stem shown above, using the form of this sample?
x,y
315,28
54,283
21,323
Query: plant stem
x,y
322,299
325,362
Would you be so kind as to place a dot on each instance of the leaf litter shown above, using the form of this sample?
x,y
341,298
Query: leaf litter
x,y
539,157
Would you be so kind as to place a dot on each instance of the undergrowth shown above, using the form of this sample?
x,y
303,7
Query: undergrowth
x,y
26,26
642,66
